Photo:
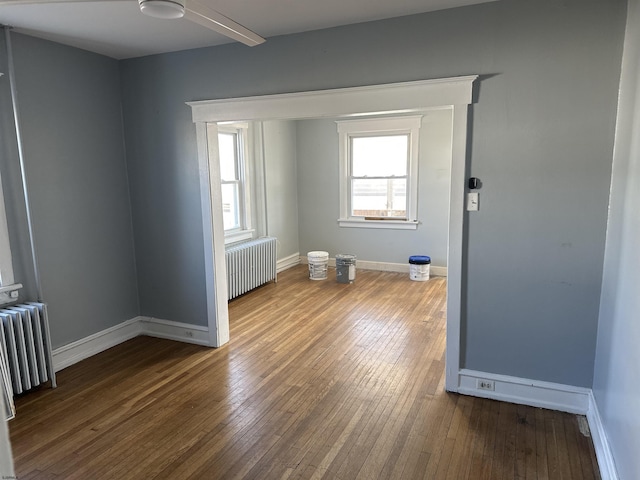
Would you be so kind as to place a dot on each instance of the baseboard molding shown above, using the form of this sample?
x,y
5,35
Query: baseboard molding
x,y
287,262
84,348
437,271
181,332
74,352
434,270
601,442
554,396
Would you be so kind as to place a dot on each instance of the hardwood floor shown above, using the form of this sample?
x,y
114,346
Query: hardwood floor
x,y
320,380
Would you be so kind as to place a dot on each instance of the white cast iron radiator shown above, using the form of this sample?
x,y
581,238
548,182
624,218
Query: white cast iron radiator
x,y
26,345
250,265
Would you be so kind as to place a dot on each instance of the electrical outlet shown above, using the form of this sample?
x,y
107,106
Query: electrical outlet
x,y
485,384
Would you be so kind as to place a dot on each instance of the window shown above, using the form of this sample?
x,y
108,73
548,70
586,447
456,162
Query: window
x,y
379,172
234,175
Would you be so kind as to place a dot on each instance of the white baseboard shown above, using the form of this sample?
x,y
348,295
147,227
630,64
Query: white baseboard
x,y
434,270
181,332
601,442
287,262
74,352
554,396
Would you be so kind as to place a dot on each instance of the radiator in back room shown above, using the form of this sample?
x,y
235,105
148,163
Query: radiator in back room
x,y
250,264
26,345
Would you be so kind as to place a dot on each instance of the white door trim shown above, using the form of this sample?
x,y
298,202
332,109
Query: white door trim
x,y
455,245
454,93
213,235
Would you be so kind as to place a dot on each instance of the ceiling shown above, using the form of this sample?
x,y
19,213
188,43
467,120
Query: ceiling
x,y
117,28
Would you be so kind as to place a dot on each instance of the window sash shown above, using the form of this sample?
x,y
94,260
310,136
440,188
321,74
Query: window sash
x,y
231,206
376,156
238,217
387,146
351,215
229,172
387,197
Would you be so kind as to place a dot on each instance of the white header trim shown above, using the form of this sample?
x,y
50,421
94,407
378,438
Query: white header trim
x,y
393,98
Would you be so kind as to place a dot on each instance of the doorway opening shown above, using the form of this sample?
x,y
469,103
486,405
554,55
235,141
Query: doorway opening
x,y
455,94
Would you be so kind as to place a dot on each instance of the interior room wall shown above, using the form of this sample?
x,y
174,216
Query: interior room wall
x,y
542,136
69,104
535,248
280,172
319,196
617,364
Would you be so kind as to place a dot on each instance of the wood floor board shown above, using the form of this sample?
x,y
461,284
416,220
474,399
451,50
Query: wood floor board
x,y
473,443
320,380
542,469
500,444
460,455
434,436
441,467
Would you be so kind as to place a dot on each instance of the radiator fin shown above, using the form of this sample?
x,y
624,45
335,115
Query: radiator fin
x,y
26,345
250,264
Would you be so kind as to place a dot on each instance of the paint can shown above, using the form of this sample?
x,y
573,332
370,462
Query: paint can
x,y
318,265
419,266
345,268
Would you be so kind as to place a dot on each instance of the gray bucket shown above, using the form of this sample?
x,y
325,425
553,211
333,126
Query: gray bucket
x,y
345,268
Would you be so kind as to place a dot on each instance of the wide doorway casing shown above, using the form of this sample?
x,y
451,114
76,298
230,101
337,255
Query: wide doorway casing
x,y
454,93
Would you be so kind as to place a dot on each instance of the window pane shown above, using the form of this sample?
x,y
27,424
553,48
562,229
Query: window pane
x,y
383,156
230,206
379,198
227,146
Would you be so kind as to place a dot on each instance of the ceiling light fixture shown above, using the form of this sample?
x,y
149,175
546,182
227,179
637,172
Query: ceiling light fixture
x,y
162,8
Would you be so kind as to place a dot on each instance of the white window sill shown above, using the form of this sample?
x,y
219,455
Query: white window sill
x,y
387,224
235,237
7,294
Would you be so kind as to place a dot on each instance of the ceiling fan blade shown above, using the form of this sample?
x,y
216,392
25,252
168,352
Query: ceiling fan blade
x,y
194,11
207,17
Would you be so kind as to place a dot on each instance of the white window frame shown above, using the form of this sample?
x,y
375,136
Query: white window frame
x,y
246,230
8,287
348,129
6,264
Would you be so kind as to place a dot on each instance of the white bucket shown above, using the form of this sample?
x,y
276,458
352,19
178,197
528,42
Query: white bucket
x,y
419,273
419,266
318,265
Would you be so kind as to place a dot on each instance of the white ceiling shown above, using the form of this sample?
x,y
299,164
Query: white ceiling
x,y
118,29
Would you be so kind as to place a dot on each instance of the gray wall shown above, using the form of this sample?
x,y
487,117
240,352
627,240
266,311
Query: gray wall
x,y
75,162
542,135
615,384
542,146
319,193
280,163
